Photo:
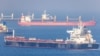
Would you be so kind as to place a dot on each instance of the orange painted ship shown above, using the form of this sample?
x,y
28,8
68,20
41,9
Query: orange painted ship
x,y
47,20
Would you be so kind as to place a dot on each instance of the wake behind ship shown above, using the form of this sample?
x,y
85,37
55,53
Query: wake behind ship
x,y
80,38
47,20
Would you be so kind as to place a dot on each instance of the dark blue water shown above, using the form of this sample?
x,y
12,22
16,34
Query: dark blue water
x,y
46,33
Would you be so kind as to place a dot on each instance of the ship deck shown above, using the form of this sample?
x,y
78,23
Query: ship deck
x,y
22,39
57,23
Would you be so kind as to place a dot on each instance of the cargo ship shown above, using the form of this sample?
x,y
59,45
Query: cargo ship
x,y
47,20
4,29
80,38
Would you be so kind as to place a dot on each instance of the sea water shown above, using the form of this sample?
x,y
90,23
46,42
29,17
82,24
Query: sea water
x,y
44,32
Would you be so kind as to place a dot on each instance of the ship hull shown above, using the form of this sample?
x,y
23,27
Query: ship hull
x,y
88,23
7,32
52,45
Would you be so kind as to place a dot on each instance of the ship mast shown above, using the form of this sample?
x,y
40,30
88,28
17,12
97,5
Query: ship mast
x,y
67,18
13,33
54,18
80,21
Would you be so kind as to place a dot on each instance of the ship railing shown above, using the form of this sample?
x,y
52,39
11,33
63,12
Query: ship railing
x,y
7,16
73,19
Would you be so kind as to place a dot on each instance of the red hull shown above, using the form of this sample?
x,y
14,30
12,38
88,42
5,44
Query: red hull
x,y
88,23
22,39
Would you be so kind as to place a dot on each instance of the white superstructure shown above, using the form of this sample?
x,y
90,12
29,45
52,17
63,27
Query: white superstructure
x,y
3,28
80,35
46,16
25,19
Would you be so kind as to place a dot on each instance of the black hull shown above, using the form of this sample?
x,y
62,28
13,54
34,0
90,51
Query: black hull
x,y
52,45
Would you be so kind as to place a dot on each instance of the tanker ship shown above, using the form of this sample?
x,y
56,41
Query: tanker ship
x,y
80,38
47,20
